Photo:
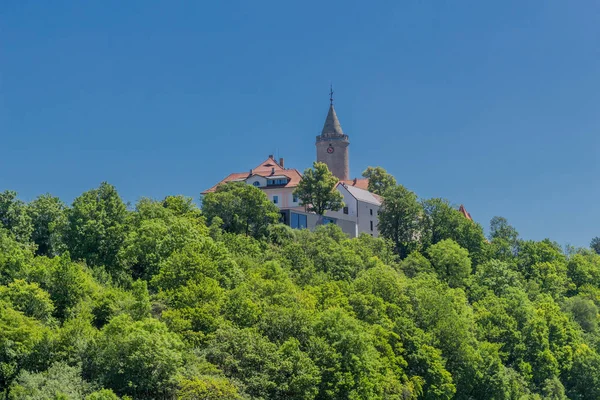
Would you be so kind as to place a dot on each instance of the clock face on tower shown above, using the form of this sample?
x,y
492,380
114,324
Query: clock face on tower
x,y
330,149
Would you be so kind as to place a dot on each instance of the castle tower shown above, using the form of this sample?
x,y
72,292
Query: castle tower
x,y
332,145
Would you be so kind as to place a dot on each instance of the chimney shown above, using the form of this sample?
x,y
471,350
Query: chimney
x,y
281,162
354,182
271,156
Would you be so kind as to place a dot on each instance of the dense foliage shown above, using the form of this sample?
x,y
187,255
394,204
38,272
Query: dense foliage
x,y
316,191
165,300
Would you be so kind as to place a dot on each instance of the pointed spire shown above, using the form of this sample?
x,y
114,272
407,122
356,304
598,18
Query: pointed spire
x,y
332,125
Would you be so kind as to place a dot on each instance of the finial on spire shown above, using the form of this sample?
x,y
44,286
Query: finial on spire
x,y
330,94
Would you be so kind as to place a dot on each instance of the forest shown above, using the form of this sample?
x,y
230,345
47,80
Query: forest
x,y
164,299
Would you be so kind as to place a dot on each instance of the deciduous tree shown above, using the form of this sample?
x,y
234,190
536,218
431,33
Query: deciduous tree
x,y
96,227
595,244
14,217
379,180
317,190
400,219
242,208
46,213
450,261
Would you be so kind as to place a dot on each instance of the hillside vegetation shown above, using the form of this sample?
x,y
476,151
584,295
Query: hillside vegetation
x,y
164,300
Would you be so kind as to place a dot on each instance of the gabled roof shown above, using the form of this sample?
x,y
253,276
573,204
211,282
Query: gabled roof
x,y
332,125
361,183
363,195
268,168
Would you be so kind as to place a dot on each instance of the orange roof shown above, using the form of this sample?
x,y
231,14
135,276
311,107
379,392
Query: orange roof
x,y
361,183
267,168
464,212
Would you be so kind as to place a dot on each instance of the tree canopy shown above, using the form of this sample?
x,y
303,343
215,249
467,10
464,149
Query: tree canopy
x,y
316,191
379,180
165,299
241,209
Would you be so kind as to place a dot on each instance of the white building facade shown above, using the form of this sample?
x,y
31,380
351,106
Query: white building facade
x,y
361,208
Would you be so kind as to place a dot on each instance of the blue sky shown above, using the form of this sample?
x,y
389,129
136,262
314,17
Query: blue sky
x,y
489,104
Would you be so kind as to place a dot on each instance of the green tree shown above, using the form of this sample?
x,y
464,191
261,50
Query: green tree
x,y
500,229
584,269
379,180
595,244
265,369
207,388
15,257
584,311
504,239
553,389
102,394
345,351
415,263
96,227
242,208
194,263
400,219
156,233
450,261
317,190
28,298
68,283
442,221
46,213
19,336
60,381
497,276
583,380
181,206
140,359
14,217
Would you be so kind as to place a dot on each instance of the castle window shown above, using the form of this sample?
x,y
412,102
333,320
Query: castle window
x,y
294,198
371,212
371,225
275,199
345,210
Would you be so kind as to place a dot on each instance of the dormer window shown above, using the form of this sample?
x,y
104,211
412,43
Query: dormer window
x,y
277,182
257,183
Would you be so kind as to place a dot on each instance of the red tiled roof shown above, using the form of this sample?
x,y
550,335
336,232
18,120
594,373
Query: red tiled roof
x,y
361,183
267,168
464,212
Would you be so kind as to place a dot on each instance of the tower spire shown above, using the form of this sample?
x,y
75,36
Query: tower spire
x,y
332,144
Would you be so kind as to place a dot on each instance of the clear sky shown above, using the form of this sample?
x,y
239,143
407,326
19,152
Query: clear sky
x,y
491,104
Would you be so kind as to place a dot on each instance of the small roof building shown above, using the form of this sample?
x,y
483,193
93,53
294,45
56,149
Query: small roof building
x,y
272,171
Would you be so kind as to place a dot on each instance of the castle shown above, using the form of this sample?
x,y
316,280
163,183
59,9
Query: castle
x,y
359,214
